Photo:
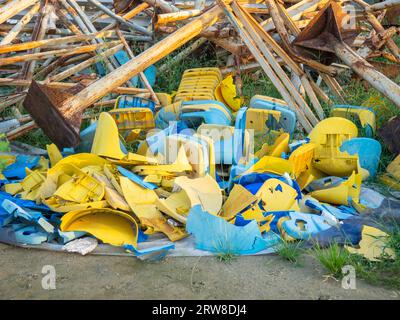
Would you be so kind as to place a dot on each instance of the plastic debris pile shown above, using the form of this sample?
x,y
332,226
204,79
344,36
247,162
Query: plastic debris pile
x,y
197,170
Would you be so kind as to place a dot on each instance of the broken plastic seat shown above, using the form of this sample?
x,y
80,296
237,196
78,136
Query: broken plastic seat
x,y
365,115
210,116
368,151
338,191
328,135
303,226
226,93
125,101
133,118
287,117
110,226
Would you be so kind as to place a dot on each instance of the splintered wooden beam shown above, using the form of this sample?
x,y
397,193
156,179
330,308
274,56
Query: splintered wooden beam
x,y
56,53
78,102
85,64
67,85
52,42
12,8
298,71
265,65
121,20
141,74
19,26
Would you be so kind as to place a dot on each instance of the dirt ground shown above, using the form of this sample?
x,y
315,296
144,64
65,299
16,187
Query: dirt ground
x,y
105,277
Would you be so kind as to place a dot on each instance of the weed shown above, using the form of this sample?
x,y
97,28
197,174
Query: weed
x,y
290,251
226,257
333,258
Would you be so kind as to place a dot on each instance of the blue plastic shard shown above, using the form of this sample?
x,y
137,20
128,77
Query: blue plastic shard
x,y
17,169
287,121
67,236
135,102
5,217
210,116
368,150
150,253
135,178
215,234
30,235
23,203
304,226
28,215
321,207
239,135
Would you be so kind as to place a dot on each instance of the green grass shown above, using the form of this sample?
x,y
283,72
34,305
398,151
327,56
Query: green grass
x,y
290,251
384,272
332,258
226,257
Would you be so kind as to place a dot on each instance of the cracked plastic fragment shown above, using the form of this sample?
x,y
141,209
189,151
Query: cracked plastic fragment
x,y
215,234
373,244
110,226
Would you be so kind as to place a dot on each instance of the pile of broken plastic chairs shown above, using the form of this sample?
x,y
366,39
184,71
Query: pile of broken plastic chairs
x,y
196,173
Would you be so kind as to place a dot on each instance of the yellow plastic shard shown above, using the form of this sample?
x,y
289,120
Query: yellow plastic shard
x,y
282,231
394,168
115,200
238,200
341,194
193,150
302,158
111,174
277,196
151,217
164,98
308,176
134,159
142,203
211,153
31,185
135,194
133,135
204,191
106,139
112,196
181,164
91,170
328,135
392,176
366,117
229,93
254,213
281,145
43,165
218,95
7,159
13,188
133,118
80,160
82,188
54,154
60,205
256,119
110,226
272,165
177,206
373,244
